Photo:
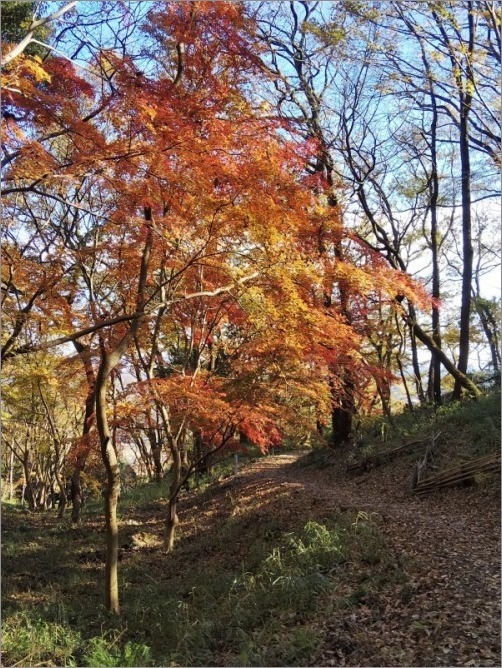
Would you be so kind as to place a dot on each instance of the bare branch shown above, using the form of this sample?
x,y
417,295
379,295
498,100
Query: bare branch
x,y
28,38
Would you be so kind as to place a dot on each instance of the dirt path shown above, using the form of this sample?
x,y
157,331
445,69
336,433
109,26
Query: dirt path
x,y
448,613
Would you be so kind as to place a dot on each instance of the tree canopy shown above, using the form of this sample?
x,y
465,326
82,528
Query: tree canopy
x,y
231,223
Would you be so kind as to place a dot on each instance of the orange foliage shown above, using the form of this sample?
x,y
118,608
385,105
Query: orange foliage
x,y
237,227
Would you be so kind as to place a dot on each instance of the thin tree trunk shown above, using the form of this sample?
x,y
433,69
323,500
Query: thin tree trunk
x,y
435,369
468,253
465,84
490,329
112,494
172,516
414,358
459,377
342,415
434,382
84,353
42,496
58,464
11,475
405,383
156,449
112,489
29,494
343,409
145,458
63,499
383,389
76,492
108,453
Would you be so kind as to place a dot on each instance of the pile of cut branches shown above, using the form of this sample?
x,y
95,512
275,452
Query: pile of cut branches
x,y
459,474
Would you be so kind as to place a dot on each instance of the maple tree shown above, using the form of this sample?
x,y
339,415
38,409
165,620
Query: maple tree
x,y
41,416
144,206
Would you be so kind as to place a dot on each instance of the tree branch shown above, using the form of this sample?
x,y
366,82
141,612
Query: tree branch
x,y
28,38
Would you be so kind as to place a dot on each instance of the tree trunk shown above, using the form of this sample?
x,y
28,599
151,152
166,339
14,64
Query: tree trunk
x,y
383,389
11,475
434,388
76,493
172,523
404,381
172,516
146,458
29,493
459,377
341,422
414,358
490,329
156,452
84,352
465,88
342,414
468,253
112,530
110,461
42,496
63,499
108,453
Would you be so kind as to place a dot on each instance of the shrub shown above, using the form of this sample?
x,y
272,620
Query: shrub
x,y
106,651
32,641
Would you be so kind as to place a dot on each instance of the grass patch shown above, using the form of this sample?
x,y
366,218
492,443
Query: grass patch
x,y
465,430
41,643
257,612
29,640
244,616
108,651
143,495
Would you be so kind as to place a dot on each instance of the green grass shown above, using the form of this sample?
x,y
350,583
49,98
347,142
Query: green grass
x,y
182,609
256,614
465,430
207,604
143,494
30,640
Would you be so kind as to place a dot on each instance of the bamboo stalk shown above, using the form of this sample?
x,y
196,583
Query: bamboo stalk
x,y
459,473
473,466
488,467
433,482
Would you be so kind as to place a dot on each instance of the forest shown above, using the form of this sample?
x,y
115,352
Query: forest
x,y
251,333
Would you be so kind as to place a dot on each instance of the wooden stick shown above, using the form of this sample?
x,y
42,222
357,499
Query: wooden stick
x,y
459,473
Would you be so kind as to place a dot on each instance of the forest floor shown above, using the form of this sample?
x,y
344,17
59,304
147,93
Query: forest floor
x,y
393,580
447,612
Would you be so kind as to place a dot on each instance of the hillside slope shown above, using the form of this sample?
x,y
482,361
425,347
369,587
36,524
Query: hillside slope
x,y
448,611
290,562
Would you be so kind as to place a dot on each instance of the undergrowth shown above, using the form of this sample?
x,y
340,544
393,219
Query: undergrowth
x,y
256,614
463,430
198,606
470,427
